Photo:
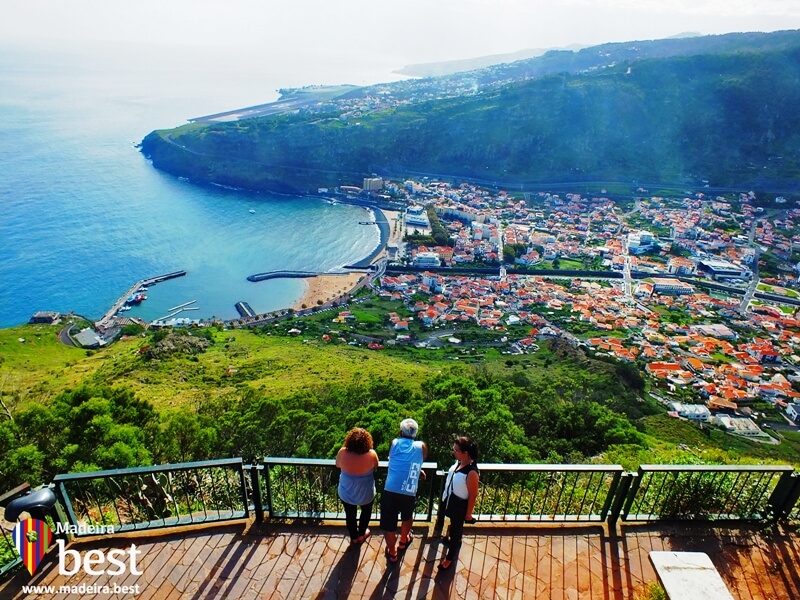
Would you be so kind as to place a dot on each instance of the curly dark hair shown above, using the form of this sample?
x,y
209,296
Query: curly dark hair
x,y
358,440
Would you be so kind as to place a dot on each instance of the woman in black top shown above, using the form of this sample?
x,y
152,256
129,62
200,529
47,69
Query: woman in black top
x,y
460,493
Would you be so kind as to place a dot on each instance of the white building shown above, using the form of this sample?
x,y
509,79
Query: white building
x,y
722,268
427,259
693,412
416,216
737,425
672,287
372,184
640,242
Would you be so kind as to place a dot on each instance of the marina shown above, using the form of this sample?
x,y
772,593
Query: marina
x,y
176,310
134,292
169,316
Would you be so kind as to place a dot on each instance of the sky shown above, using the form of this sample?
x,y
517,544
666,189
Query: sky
x,y
404,31
248,49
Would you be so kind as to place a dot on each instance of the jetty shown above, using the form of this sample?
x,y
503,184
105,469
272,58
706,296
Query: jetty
x,y
244,309
169,316
107,318
182,305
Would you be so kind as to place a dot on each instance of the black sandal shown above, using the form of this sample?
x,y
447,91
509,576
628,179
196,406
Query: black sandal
x,y
403,545
444,567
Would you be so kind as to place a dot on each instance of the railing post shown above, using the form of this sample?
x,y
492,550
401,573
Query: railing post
x,y
785,496
625,481
612,493
439,523
255,481
431,487
66,502
270,503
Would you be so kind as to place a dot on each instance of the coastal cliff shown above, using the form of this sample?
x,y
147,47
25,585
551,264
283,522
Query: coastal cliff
x,y
726,119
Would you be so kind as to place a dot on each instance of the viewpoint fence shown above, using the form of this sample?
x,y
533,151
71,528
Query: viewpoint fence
x,y
277,489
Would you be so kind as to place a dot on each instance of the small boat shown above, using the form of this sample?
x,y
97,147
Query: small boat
x,y
136,298
252,212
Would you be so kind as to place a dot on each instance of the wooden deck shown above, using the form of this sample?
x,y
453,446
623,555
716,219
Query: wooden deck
x,y
243,560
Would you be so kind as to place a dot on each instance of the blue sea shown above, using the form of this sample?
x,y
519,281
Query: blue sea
x,y
83,215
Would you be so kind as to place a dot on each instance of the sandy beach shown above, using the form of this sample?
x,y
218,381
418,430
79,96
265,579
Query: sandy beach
x,y
326,288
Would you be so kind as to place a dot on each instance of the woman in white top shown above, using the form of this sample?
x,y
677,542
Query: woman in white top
x,y
460,493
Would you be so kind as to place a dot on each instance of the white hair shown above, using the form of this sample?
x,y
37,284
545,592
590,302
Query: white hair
x,y
409,428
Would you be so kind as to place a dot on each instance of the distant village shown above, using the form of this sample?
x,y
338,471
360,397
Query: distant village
x,y
727,349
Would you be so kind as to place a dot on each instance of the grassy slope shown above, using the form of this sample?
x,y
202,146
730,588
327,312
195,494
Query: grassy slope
x,y
40,362
41,367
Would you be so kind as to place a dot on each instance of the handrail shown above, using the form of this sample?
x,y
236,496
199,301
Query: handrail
x,y
156,496
549,493
708,492
716,468
309,489
163,496
187,466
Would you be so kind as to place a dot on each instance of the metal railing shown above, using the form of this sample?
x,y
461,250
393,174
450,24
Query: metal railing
x,y
154,497
718,492
9,557
307,488
545,493
294,488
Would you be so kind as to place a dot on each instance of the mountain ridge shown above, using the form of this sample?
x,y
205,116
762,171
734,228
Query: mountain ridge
x,y
725,117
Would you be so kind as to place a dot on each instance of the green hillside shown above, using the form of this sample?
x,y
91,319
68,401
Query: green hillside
x,y
174,396
728,119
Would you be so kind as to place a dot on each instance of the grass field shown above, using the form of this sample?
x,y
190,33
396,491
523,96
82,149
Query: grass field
x,y
279,365
275,364
31,357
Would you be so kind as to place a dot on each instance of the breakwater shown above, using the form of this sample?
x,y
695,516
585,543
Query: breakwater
x,y
280,274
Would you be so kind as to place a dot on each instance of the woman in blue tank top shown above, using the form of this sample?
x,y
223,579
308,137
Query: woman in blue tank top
x,y
358,462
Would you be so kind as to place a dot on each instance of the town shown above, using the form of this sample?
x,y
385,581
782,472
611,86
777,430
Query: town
x,y
699,293
677,292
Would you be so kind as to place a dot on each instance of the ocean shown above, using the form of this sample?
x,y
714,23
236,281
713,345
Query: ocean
x,y
85,215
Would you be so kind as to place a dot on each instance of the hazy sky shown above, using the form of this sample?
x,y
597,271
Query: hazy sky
x,y
405,31
210,56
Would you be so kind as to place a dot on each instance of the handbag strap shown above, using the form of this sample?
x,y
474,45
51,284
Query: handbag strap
x,y
448,491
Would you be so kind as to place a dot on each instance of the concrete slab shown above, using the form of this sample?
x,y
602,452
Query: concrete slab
x,y
689,576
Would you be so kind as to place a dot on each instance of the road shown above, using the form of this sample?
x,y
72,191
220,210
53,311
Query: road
x,y
63,335
751,290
